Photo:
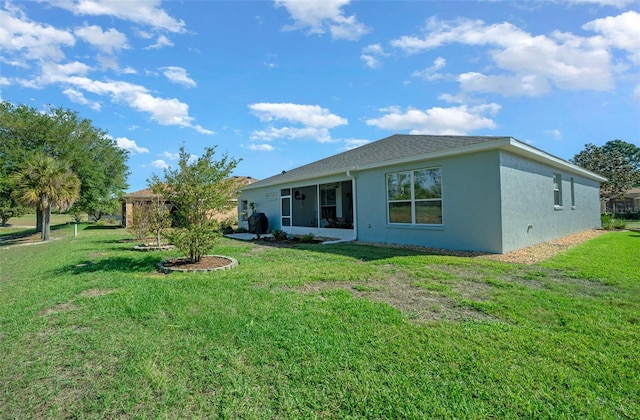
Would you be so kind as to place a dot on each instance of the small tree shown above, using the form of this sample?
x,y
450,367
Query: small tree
x,y
45,182
197,189
159,219
139,225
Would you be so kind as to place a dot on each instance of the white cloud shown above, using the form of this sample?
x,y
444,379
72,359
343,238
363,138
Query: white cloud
x,y
170,156
32,41
507,85
53,72
109,42
620,4
130,145
320,16
533,63
260,147
163,111
315,120
555,133
310,115
371,55
431,73
78,98
620,32
178,75
459,120
142,12
159,163
162,41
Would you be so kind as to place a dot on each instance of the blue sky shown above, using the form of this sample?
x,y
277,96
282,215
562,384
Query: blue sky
x,y
280,84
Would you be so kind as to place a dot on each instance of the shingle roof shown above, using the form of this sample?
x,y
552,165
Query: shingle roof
x,y
147,193
388,149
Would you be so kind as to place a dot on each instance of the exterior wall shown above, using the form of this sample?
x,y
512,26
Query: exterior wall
x,y
470,206
528,212
492,201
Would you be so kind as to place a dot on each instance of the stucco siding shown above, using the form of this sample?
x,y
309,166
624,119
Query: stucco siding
x,y
529,215
470,206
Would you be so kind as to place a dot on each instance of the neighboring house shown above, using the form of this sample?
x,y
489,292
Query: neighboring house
x,y
489,194
628,203
146,197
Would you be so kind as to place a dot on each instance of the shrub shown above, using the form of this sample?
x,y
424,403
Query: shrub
x,y
609,222
279,235
227,225
308,238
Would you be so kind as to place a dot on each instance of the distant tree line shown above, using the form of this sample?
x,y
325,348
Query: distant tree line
x,y
57,160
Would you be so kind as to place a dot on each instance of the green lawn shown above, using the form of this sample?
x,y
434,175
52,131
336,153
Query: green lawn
x,y
88,328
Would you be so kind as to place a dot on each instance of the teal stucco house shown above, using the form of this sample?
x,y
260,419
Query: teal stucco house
x,y
488,194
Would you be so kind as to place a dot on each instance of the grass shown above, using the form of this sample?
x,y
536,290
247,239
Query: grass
x,y
88,328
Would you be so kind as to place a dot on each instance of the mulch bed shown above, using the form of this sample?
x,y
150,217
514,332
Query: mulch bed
x,y
206,263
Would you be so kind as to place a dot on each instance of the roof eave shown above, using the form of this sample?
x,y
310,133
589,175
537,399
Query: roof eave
x,y
536,154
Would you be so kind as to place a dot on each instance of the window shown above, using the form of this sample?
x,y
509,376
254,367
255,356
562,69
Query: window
x,y
244,209
415,197
573,195
285,206
557,190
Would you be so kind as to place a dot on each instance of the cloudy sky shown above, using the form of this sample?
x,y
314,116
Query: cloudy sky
x,y
282,83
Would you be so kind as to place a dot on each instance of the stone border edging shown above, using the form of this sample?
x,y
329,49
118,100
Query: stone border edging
x,y
145,248
167,270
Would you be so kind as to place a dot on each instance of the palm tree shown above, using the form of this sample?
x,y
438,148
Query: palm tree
x,y
45,182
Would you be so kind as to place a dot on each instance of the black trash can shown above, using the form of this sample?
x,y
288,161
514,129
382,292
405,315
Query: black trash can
x,y
258,223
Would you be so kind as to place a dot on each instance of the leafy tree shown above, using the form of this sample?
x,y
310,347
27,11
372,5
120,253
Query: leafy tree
x,y
197,189
45,182
612,164
628,150
62,134
8,206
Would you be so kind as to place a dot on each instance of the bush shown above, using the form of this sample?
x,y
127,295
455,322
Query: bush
x,y
308,238
609,222
279,235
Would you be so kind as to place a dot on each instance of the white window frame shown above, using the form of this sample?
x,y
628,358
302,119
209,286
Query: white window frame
x,y
413,200
573,194
557,191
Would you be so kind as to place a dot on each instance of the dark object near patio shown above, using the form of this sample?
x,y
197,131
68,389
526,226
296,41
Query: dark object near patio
x,y
258,223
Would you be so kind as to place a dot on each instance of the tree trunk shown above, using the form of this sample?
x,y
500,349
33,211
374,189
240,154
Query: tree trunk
x,y
46,224
38,220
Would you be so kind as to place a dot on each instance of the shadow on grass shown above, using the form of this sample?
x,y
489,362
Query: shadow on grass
x,y
102,227
137,264
364,252
28,234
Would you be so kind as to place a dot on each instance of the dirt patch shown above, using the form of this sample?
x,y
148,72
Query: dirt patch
x,y
96,292
63,307
417,302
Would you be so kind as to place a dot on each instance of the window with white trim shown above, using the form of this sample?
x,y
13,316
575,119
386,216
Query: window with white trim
x,y
415,197
573,194
557,190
